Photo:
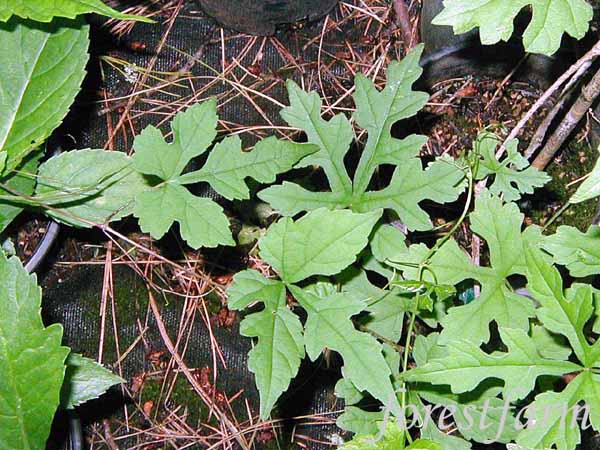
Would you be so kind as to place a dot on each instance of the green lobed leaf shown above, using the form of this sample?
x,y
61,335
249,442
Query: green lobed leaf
x,y
500,225
560,313
551,19
276,358
228,166
513,176
376,112
31,361
202,222
466,366
85,380
579,252
329,326
193,132
43,67
87,187
478,415
46,10
551,415
20,181
323,242
590,188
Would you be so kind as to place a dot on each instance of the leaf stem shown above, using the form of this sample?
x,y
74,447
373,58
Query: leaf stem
x,y
422,268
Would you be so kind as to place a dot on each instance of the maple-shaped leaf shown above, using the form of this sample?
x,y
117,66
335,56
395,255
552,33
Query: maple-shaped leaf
x,y
322,242
512,176
201,220
466,366
46,10
551,19
562,313
31,361
482,405
376,112
329,326
276,357
579,252
499,225
364,422
552,417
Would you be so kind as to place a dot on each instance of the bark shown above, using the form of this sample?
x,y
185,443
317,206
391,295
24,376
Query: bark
x,y
579,109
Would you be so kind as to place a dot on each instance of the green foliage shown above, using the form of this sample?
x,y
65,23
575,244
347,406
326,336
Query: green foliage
x,y
85,380
43,67
32,364
551,19
579,252
376,112
500,226
512,176
31,361
276,358
466,366
202,222
46,10
590,188
21,182
88,187
323,242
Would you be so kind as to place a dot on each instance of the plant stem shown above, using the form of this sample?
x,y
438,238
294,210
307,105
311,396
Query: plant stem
x,y
422,267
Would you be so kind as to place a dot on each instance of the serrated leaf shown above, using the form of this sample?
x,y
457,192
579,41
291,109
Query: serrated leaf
x,y
323,242
466,366
202,222
560,313
329,326
228,166
85,380
579,252
276,358
346,390
500,225
43,67
551,19
87,187
21,181
513,176
376,112
31,361
551,415
590,188
46,10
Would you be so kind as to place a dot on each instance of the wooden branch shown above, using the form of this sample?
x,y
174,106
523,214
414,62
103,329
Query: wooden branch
x,y
579,109
403,21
